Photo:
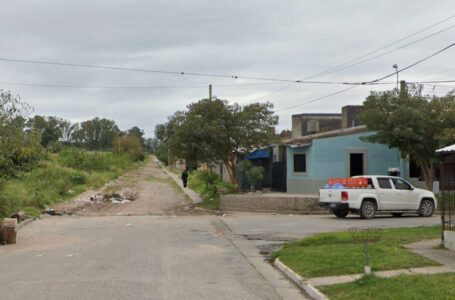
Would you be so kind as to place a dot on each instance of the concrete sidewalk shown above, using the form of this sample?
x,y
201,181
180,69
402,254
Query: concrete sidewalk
x,y
425,248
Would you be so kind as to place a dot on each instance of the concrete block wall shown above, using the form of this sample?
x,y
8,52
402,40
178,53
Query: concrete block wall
x,y
265,202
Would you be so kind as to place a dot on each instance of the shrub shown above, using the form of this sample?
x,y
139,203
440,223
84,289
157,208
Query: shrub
x,y
78,178
32,212
162,154
73,158
54,147
129,145
208,184
253,173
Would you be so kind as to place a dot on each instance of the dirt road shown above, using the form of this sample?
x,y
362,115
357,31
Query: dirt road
x,y
143,192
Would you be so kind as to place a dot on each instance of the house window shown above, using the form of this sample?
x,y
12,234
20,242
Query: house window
x,y
300,163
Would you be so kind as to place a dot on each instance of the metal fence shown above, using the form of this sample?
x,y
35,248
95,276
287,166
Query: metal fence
x,y
447,194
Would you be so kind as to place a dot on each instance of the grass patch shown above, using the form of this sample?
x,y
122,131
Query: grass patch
x,y
58,178
210,204
179,189
32,212
175,171
440,246
439,286
337,253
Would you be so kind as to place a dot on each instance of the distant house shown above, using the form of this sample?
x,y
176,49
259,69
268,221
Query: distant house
x,y
313,159
327,146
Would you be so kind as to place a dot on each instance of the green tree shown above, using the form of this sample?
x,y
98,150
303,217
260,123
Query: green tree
x,y
50,128
137,133
414,123
19,150
252,172
214,130
96,134
129,145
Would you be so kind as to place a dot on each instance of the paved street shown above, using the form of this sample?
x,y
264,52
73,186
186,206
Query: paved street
x,y
161,252
159,257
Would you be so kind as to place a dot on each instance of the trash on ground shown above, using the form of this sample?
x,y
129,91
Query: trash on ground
x,y
20,216
51,212
128,225
119,200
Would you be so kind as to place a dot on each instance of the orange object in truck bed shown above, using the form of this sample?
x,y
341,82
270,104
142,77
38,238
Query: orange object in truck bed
x,y
349,182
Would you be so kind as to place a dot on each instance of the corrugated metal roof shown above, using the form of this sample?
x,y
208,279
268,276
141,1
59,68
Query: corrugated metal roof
x,y
450,148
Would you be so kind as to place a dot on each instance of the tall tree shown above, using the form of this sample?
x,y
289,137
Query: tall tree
x,y
97,133
50,128
18,149
138,133
414,123
214,130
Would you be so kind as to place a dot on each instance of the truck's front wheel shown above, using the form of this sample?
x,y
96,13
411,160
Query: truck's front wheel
x,y
367,210
341,213
426,208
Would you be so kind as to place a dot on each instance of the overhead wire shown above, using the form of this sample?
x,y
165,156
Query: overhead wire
x,y
216,75
347,64
372,81
123,87
167,72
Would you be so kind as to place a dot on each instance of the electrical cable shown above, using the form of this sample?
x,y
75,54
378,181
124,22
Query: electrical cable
x,y
346,64
373,81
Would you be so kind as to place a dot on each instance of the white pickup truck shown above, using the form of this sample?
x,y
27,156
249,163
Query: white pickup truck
x,y
385,194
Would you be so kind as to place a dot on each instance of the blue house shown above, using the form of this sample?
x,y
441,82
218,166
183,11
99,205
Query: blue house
x,y
314,158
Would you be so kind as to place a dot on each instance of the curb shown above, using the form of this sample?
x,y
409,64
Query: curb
x,y
25,222
309,289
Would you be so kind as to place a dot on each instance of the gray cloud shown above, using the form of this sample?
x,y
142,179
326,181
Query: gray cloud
x,y
284,39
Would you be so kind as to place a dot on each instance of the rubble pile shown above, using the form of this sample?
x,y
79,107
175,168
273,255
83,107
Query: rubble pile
x,y
123,196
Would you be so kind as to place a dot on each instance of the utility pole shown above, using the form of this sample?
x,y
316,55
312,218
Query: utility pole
x,y
402,89
210,92
395,66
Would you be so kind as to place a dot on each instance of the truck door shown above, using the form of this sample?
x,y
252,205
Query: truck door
x,y
386,194
405,197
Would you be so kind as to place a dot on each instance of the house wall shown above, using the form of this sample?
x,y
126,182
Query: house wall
x,y
305,124
327,158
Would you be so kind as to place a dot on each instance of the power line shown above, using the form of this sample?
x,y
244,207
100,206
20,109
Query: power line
x,y
388,52
319,98
348,63
221,75
373,81
414,64
123,87
166,72
431,81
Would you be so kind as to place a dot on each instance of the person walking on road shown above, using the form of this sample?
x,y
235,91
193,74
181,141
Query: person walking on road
x,y
185,177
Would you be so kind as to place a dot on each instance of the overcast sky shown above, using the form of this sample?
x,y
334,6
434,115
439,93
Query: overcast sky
x,y
272,39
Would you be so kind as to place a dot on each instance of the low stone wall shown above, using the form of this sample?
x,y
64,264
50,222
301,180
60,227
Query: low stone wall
x,y
272,202
449,240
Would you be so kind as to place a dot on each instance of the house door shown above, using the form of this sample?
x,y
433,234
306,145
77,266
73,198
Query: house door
x,y
356,164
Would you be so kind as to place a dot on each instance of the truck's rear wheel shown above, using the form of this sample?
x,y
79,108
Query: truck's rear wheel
x,y
426,208
367,210
341,213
